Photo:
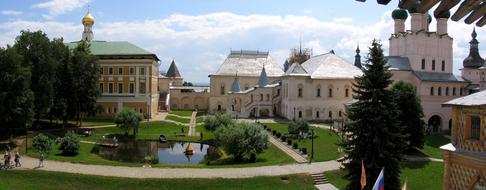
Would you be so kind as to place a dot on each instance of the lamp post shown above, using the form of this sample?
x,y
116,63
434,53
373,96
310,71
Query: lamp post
x,y
312,144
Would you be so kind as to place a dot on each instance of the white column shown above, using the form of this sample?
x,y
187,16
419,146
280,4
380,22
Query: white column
x,y
416,21
399,26
137,80
442,26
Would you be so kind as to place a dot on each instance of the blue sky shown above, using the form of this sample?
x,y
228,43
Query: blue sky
x,y
199,34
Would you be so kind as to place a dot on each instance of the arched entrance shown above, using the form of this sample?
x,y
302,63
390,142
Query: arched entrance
x,y
434,123
264,112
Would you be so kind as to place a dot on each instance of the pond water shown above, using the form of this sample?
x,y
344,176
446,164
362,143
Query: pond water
x,y
168,153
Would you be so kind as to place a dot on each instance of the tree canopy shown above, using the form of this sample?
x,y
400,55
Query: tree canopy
x,y
241,139
128,119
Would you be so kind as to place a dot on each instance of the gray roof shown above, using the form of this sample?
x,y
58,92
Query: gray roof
x,y
398,63
438,77
330,66
263,80
476,99
296,70
173,71
249,63
235,87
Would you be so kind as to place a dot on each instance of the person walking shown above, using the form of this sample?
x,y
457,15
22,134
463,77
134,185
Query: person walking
x,y
5,160
41,160
17,160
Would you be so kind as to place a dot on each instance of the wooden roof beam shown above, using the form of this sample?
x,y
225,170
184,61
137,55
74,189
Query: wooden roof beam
x,y
445,5
406,4
481,22
426,5
477,13
465,8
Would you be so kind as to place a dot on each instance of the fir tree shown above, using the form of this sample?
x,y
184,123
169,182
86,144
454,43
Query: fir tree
x,y
411,113
374,133
63,86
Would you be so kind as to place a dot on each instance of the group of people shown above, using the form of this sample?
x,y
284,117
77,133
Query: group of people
x,y
7,159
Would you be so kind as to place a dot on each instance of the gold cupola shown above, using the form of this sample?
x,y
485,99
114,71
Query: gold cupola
x,y
88,19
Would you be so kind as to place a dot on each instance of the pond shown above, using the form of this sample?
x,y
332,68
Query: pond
x,y
169,152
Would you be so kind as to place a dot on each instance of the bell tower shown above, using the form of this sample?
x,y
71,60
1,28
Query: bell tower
x,y
88,22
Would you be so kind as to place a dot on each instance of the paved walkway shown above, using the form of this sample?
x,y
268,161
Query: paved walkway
x,y
327,186
192,124
420,158
135,172
291,152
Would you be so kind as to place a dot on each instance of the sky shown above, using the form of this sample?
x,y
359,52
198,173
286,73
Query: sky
x,y
199,34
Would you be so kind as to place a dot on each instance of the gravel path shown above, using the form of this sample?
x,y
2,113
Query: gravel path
x,y
192,125
291,152
135,172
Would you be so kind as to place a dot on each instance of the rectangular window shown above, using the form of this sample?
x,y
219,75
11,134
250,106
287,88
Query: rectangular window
x,y
443,65
475,127
120,71
142,88
318,92
299,93
142,71
110,88
110,70
120,88
423,64
330,92
433,65
132,71
101,87
317,114
454,91
132,88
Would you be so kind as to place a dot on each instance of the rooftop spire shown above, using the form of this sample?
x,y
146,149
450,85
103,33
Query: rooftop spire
x,y
357,58
235,87
88,21
263,80
173,71
474,60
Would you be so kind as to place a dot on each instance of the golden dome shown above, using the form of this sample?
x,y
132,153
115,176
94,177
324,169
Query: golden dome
x,y
88,19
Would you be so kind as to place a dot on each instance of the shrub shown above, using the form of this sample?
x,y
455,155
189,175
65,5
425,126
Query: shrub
x,y
274,132
283,138
42,143
295,145
278,135
213,122
152,159
70,143
289,141
128,119
304,150
241,139
300,125
253,157
268,129
265,126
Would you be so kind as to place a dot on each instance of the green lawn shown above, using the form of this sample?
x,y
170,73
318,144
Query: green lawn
x,y
151,131
325,147
433,143
183,113
36,179
88,122
178,119
420,175
199,119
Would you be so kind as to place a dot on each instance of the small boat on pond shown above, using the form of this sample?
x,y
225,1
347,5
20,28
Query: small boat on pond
x,y
189,150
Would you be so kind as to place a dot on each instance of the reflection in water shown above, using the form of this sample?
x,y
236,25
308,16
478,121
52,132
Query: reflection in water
x,y
168,153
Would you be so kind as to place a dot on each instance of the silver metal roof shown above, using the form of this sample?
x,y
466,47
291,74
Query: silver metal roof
x,y
330,66
438,77
398,63
296,70
249,63
173,71
235,87
476,99
263,80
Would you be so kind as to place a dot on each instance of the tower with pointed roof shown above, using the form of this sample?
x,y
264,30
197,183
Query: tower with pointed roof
x,y
88,22
357,58
263,79
173,72
474,60
235,87
474,66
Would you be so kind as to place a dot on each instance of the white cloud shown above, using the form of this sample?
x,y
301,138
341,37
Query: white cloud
x,y
10,12
307,11
200,43
343,19
58,7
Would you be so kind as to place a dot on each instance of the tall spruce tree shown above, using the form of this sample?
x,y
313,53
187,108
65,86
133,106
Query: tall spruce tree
x,y
36,51
411,113
63,85
86,74
16,98
374,133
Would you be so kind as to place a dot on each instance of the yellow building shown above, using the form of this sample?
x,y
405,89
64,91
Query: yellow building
x,y
128,74
465,156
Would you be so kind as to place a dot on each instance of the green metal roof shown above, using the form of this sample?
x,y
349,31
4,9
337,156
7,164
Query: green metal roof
x,y
114,48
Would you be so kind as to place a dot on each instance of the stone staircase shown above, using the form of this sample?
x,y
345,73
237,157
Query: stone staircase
x,y
319,179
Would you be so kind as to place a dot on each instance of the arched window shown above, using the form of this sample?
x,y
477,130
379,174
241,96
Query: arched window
x,y
460,91
431,91
300,114
433,65
299,91
453,91
318,92
443,65
268,97
317,114
346,92
261,97
439,91
447,91
330,114
251,97
222,89
330,92
423,64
